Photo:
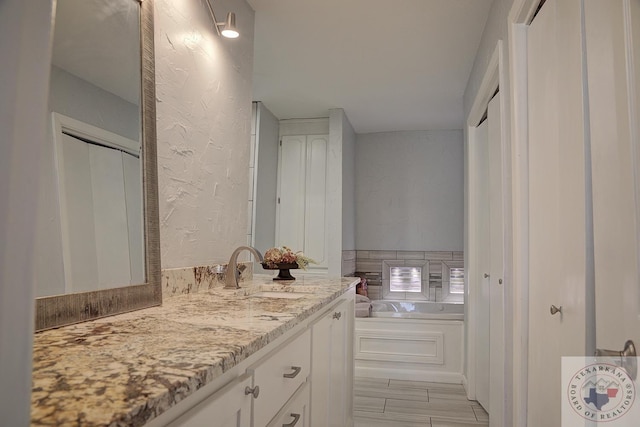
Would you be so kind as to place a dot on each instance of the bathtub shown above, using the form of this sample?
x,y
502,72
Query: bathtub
x,y
417,310
411,340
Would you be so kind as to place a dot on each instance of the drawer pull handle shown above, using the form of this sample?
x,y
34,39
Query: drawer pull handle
x,y
296,417
254,391
337,315
296,371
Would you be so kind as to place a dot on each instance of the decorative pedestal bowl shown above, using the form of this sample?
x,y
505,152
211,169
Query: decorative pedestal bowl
x,y
284,273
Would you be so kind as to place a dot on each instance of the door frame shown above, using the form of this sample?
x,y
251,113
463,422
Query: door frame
x,y
495,77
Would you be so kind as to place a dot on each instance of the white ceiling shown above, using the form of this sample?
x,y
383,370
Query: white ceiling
x,y
392,65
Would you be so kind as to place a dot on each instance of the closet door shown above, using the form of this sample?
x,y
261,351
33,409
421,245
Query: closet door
x,y
496,275
558,225
94,209
483,355
613,60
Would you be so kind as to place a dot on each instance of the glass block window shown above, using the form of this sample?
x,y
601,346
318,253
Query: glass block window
x,y
405,279
456,280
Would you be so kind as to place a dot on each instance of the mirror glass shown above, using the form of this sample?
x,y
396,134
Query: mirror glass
x,y
98,229
95,106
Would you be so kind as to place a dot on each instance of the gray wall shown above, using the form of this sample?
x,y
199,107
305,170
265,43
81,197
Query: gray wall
x,y
266,186
81,100
409,191
348,185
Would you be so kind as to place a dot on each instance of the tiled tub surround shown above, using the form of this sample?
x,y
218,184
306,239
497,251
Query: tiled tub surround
x,y
348,263
127,369
374,266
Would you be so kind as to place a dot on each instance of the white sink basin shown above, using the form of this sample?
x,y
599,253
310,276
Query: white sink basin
x,y
274,294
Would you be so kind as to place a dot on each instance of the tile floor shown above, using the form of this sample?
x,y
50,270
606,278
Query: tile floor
x,y
395,403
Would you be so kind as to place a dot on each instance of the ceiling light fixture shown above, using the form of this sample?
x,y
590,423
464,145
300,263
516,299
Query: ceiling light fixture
x,y
229,29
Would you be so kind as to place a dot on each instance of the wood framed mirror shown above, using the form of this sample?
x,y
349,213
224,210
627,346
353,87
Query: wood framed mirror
x,y
144,289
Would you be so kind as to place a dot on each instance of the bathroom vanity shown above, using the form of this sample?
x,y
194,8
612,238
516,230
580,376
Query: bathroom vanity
x,y
264,355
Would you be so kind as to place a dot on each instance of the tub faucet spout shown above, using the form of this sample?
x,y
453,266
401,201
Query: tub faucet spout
x,y
232,276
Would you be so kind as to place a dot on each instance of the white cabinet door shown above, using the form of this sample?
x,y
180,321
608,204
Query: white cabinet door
x,y
229,407
302,192
321,370
557,200
315,242
332,367
292,192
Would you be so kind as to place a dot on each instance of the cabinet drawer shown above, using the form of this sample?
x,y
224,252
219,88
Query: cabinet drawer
x,y
228,407
279,375
296,412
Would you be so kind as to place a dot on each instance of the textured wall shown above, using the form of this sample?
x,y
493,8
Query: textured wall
x,y
203,85
409,191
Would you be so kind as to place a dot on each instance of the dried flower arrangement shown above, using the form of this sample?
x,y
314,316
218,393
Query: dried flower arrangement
x,y
284,255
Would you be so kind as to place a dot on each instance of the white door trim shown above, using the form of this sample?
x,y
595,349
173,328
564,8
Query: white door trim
x,y
520,15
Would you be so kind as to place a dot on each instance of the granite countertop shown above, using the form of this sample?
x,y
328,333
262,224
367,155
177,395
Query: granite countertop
x,y
125,370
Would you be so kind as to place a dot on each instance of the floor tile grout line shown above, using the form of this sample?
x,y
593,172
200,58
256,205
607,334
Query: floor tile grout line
x,y
475,413
442,398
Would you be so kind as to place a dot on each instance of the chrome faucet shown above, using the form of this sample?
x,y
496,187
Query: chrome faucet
x,y
232,276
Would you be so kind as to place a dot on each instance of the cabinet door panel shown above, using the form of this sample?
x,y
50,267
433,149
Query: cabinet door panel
x,y
338,389
291,209
315,242
302,211
332,367
321,371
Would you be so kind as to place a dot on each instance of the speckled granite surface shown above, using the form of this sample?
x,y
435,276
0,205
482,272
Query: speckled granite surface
x,y
127,369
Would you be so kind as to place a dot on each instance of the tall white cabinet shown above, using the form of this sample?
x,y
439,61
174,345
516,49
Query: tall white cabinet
x,y
332,367
302,196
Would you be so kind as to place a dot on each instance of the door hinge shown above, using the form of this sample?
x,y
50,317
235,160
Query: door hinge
x,y
280,143
278,200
